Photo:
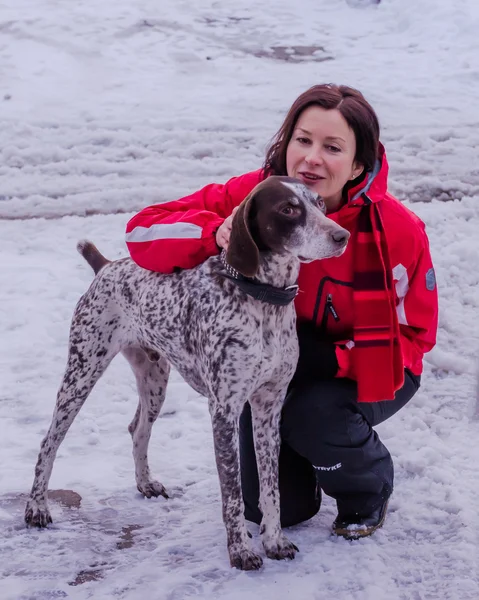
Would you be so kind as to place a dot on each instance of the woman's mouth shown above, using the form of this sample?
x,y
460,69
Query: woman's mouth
x,y
311,177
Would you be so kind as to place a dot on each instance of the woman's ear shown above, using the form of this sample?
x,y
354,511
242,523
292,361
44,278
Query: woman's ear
x,y
243,253
358,170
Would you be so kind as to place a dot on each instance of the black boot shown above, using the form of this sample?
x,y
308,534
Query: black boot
x,y
354,527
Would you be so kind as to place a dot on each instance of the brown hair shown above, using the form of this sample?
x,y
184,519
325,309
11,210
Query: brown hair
x,y
355,109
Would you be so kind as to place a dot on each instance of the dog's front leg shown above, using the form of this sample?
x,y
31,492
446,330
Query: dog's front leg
x,y
225,417
266,407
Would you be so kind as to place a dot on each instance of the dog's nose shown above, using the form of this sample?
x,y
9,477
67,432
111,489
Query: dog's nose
x,y
341,236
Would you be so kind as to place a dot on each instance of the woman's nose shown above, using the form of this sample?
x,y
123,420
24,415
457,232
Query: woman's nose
x,y
314,156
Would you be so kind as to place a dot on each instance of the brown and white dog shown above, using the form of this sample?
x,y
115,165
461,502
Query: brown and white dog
x,y
228,327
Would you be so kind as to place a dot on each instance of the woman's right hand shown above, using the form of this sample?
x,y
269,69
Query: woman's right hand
x,y
224,230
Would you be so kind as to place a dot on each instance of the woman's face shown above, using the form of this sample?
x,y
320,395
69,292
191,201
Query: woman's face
x,y
321,154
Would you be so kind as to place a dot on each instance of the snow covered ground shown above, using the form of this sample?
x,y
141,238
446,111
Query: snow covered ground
x,y
111,105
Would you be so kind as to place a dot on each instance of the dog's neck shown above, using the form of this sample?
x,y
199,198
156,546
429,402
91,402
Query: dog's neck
x,y
278,270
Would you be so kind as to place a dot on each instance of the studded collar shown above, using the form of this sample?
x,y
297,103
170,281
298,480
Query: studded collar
x,y
257,290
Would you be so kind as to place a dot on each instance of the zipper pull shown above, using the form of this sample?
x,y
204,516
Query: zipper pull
x,y
332,310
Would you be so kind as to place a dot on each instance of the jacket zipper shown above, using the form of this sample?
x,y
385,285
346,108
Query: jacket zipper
x,y
319,295
329,308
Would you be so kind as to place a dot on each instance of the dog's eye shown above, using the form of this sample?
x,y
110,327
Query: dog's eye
x,y
319,202
287,210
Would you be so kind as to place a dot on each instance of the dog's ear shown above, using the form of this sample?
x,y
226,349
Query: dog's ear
x,y
243,253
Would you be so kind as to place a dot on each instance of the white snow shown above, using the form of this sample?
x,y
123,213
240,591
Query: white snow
x,y
108,106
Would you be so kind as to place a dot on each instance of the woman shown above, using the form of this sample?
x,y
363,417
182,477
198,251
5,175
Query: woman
x,y
365,319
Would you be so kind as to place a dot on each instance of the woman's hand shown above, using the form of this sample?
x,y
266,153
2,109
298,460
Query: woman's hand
x,y
224,230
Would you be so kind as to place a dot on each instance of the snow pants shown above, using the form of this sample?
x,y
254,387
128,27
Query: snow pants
x,y
328,443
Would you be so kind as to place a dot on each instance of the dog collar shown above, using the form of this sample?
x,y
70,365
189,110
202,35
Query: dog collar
x,y
257,290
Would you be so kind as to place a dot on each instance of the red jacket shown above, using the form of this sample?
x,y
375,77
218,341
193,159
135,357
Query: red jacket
x,y
181,234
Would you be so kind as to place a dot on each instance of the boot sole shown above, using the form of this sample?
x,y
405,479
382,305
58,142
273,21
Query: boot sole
x,y
361,532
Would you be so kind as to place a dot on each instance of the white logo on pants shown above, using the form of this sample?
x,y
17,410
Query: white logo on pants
x,y
333,468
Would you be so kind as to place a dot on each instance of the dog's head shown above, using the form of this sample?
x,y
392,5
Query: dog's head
x,y
284,216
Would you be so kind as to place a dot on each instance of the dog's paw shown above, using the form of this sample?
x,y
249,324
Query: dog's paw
x,y
152,489
280,549
246,560
37,514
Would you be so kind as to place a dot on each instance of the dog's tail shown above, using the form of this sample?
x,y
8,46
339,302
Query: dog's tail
x,y
92,255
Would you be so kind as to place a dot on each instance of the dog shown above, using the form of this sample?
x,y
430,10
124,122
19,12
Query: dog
x,y
229,328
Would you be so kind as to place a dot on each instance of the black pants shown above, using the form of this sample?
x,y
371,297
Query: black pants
x,y
328,443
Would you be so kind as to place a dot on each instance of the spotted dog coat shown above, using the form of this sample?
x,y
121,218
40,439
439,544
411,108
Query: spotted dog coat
x,y
227,345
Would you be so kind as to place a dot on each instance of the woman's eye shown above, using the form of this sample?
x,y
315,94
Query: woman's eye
x,y
333,149
303,140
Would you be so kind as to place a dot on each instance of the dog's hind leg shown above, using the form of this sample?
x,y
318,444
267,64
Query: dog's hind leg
x,y
151,371
88,357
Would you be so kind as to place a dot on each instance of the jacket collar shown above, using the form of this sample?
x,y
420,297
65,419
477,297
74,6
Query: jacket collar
x,y
373,186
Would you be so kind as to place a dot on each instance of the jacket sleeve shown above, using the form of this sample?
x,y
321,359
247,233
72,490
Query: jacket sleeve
x,y
416,308
181,233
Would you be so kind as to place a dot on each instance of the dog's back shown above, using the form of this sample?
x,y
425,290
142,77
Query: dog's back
x,y
194,317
